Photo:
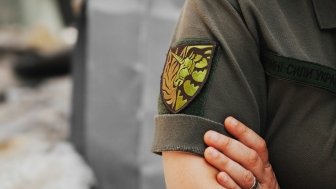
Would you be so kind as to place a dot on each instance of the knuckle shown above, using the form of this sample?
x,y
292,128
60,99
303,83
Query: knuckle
x,y
268,166
242,129
269,171
252,158
224,161
269,175
272,183
248,178
262,146
226,142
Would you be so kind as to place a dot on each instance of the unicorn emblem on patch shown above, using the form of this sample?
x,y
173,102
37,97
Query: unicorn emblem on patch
x,y
185,73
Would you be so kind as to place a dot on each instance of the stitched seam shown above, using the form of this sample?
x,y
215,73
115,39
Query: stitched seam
x,y
197,151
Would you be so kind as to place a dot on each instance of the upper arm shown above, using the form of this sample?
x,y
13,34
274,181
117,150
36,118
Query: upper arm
x,y
235,86
184,170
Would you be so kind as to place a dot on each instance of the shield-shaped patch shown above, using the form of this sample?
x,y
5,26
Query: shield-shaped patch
x,y
185,72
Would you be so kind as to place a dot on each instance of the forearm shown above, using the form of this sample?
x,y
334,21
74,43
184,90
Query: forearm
x,y
184,171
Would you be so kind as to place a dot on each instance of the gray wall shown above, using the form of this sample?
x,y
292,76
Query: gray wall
x,y
127,44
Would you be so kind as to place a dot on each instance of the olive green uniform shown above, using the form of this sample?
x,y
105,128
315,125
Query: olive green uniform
x,y
274,68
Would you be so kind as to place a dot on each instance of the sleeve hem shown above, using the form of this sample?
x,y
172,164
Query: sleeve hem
x,y
180,132
158,150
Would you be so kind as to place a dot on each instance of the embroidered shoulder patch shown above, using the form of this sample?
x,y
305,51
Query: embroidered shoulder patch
x,y
185,72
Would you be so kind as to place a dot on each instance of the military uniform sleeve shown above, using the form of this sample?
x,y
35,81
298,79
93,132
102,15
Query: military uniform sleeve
x,y
212,71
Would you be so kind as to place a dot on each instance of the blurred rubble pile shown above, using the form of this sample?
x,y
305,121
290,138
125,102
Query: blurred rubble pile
x,y
35,94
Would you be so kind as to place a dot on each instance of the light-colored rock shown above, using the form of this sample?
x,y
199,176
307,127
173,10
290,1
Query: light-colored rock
x,y
7,77
43,110
29,162
34,126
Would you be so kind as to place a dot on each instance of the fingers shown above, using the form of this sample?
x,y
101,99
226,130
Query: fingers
x,y
226,181
239,158
236,151
248,137
239,176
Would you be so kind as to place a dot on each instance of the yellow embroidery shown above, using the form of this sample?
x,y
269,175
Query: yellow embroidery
x,y
199,76
180,101
185,73
190,89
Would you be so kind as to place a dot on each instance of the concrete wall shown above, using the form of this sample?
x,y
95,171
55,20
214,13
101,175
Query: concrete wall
x,y
127,43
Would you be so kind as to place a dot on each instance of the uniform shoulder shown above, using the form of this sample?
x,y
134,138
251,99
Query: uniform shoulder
x,y
234,4
238,4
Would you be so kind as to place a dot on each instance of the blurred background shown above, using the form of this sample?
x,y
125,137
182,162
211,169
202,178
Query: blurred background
x,y
79,82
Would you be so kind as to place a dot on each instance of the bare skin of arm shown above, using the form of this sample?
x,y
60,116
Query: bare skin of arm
x,y
229,163
184,170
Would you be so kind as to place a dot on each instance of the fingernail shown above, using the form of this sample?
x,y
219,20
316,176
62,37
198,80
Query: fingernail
x,y
213,153
223,177
213,136
233,121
